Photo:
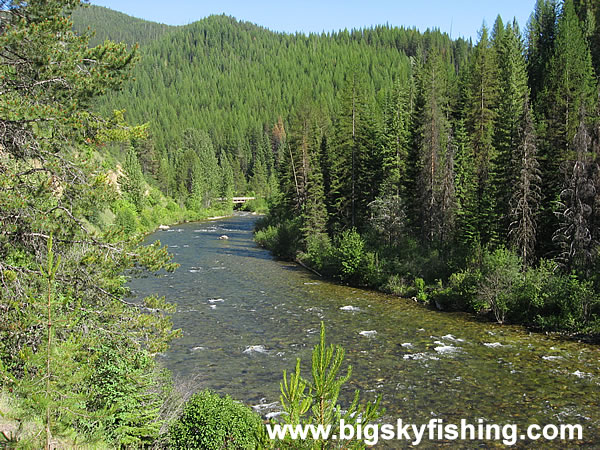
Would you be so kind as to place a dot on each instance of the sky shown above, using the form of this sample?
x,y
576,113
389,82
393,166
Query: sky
x,y
459,18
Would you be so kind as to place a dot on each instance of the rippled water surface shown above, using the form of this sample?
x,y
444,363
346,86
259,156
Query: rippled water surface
x,y
246,317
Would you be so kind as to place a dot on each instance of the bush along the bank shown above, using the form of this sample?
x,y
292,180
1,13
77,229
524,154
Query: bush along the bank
x,y
541,296
210,421
493,283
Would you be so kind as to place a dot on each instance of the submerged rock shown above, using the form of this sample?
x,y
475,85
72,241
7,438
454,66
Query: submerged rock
x,y
492,344
255,349
369,333
445,349
350,308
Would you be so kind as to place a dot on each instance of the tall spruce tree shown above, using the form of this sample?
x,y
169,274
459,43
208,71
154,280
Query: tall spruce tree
x,y
465,186
395,139
481,104
541,34
345,150
433,145
588,12
526,192
513,90
569,88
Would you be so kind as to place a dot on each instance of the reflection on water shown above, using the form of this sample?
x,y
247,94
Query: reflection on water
x,y
246,317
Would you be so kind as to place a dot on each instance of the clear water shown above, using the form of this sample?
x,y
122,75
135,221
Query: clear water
x,y
246,317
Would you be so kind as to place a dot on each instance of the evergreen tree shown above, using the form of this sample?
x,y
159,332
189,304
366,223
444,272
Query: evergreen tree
x,y
314,212
133,182
540,44
344,170
199,172
50,259
570,88
226,183
481,111
588,12
435,152
526,194
395,140
465,186
513,90
574,236
258,183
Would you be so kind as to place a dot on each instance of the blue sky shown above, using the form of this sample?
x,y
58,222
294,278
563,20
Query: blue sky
x,y
461,17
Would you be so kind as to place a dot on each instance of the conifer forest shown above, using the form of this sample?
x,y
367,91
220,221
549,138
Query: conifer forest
x,y
461,174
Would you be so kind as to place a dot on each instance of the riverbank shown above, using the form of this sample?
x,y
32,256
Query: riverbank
x,y
494,285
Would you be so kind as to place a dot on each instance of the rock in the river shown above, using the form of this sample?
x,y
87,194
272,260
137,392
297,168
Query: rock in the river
x,y
163,227
224,237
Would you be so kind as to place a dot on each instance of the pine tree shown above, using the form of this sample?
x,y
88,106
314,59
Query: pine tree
x,y
540,45
574,235
481,109
513,90
526,194
570,88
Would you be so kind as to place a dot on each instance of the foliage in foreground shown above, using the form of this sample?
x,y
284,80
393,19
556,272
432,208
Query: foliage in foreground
x,y
74,350
209,421
316,400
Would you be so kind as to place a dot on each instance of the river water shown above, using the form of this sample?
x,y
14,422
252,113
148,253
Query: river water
x,y
246,317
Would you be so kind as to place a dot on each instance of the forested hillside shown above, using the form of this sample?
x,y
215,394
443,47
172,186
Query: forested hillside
x,y
240,83
106,24
415,156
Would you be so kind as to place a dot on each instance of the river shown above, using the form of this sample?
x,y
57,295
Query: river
x,y
246,317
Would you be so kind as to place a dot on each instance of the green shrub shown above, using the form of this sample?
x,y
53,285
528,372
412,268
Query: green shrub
x,y
568,304
318,251
348,254
420,287
282,240
370,270
461,293
501,272
258,205
532,293
154,197
267,237
126,217
209,421
396,285
173,207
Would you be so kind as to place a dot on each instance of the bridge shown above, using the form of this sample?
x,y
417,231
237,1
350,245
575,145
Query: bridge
x,y
238,200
